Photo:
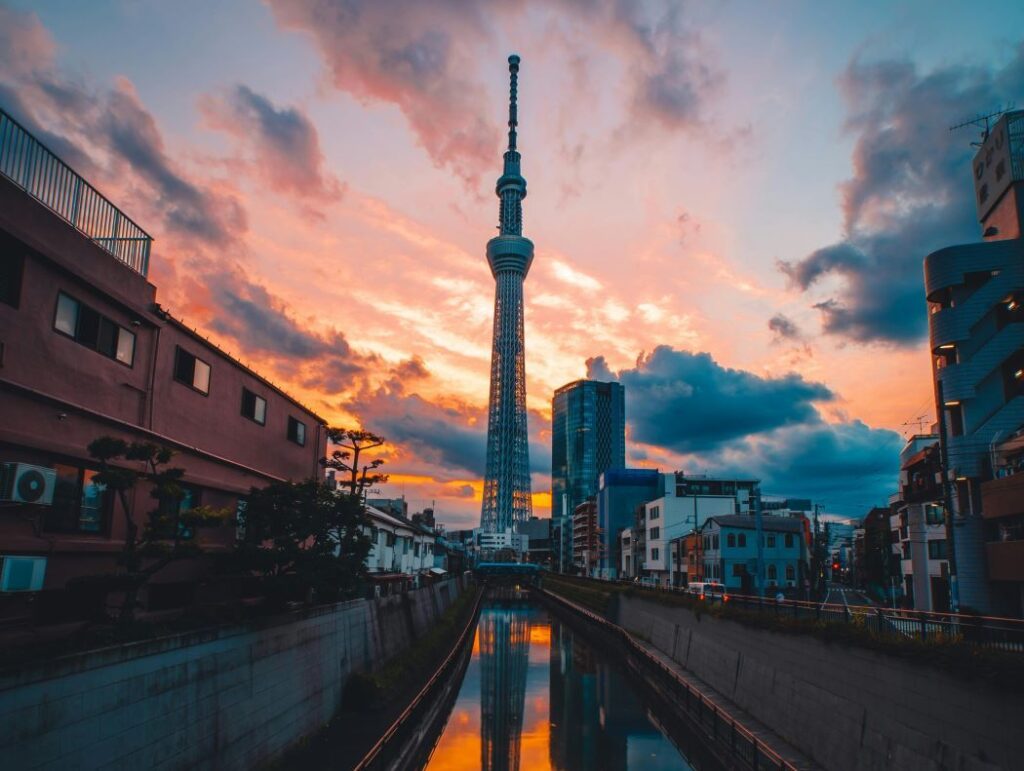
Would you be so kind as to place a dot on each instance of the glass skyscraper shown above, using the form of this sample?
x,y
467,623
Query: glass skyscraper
x,y
588,437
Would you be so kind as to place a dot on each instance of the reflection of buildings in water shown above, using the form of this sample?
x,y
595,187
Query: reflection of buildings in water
x,y
593,712
504,637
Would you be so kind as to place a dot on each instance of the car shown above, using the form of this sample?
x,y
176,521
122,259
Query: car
x,y
708,590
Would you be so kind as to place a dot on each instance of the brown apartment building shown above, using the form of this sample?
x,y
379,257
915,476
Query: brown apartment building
x,y
86,351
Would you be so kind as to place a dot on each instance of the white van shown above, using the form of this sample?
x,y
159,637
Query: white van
x,y
708,590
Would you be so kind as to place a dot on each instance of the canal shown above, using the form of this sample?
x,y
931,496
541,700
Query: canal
x,y
537,695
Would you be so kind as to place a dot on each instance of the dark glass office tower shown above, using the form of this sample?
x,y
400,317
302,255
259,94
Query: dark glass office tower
x,y
588,437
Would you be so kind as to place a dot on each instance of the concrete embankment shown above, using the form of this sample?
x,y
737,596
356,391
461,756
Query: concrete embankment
x,y
846,707
225,698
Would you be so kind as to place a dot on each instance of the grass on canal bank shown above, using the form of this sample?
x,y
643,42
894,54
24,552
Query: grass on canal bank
x,y
372,700
1001,669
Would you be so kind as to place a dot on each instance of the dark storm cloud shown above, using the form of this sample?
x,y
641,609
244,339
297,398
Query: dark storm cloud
x,y
260,324
688,402
114,122
283,143
911,193
784,327
129,131
685,408
449,436
847,466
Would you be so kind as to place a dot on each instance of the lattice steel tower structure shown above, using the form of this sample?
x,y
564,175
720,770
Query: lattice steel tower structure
x,y
507,480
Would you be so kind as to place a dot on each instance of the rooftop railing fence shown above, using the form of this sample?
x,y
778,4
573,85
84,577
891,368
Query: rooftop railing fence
x,y
30,165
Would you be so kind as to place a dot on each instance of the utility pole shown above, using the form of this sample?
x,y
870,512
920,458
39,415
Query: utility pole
x,y
759,536
947,494
816,554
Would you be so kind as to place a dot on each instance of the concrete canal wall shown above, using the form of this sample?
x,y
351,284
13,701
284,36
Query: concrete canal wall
x,y
848,708
228,698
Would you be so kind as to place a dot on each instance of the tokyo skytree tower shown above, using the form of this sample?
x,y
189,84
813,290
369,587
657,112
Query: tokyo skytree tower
x,y
507,480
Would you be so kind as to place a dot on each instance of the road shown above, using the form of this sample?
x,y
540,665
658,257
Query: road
x,y
838,594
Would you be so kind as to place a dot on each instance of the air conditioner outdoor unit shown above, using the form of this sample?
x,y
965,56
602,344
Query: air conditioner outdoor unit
x,y
22,574
23,483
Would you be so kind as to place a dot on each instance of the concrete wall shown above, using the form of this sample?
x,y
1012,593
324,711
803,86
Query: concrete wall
x,y
846,707
228,698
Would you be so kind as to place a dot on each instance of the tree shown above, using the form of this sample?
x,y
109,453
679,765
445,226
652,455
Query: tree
x,y
167,532
303,536
353,444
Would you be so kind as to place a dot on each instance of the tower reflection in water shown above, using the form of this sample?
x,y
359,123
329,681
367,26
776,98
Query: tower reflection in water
x,y
537,696
504,637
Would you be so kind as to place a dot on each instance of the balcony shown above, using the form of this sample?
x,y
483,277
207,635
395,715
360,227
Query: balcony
x,y
27,163
1005,560
1003,497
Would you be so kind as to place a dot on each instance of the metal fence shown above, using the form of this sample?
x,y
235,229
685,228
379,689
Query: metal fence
x,y
714,720
29,164
408,727
987,631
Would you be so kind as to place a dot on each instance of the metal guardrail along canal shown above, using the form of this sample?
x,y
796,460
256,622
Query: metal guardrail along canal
x,y
392,742
994,632
716,722
30,165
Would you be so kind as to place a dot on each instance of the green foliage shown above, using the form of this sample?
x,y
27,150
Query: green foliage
x,y
302,536
166,533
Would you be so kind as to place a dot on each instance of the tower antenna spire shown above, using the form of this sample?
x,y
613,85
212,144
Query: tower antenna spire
x,y
513,116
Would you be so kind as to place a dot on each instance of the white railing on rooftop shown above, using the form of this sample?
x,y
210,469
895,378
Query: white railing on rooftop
x,y
31,166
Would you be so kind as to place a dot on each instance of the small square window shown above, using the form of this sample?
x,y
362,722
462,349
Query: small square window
x,y
201,378
106,338
12,265
66,320
88,331
254,407
125,347
297,431
191,371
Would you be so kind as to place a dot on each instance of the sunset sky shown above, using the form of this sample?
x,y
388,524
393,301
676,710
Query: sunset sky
x,y
730,204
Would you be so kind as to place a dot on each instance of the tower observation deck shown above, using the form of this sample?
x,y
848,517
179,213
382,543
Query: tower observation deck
x,y
507,499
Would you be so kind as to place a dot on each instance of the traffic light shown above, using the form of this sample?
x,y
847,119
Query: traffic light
x,y
835,566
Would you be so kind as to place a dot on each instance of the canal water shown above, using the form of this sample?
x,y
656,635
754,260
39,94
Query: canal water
x,y
537,695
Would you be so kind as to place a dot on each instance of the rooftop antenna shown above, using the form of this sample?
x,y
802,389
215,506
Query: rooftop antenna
x,y
920,421
984,122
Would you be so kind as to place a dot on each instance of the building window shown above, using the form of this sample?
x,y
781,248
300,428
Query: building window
x,y
655,554
739,569
296,431
240,508
12,265
789,540
80,503
416,550
934,515
771,540
93,330
655,512
730,540
790,573
714,541
192,371
655,533
390,540
955,419
254,407
773,573
743,539
937,549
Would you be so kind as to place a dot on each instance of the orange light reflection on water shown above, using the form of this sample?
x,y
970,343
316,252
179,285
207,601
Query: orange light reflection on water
x,y
459,748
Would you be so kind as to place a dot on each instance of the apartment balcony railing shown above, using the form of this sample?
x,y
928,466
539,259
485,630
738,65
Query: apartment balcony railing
x,y
31,166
